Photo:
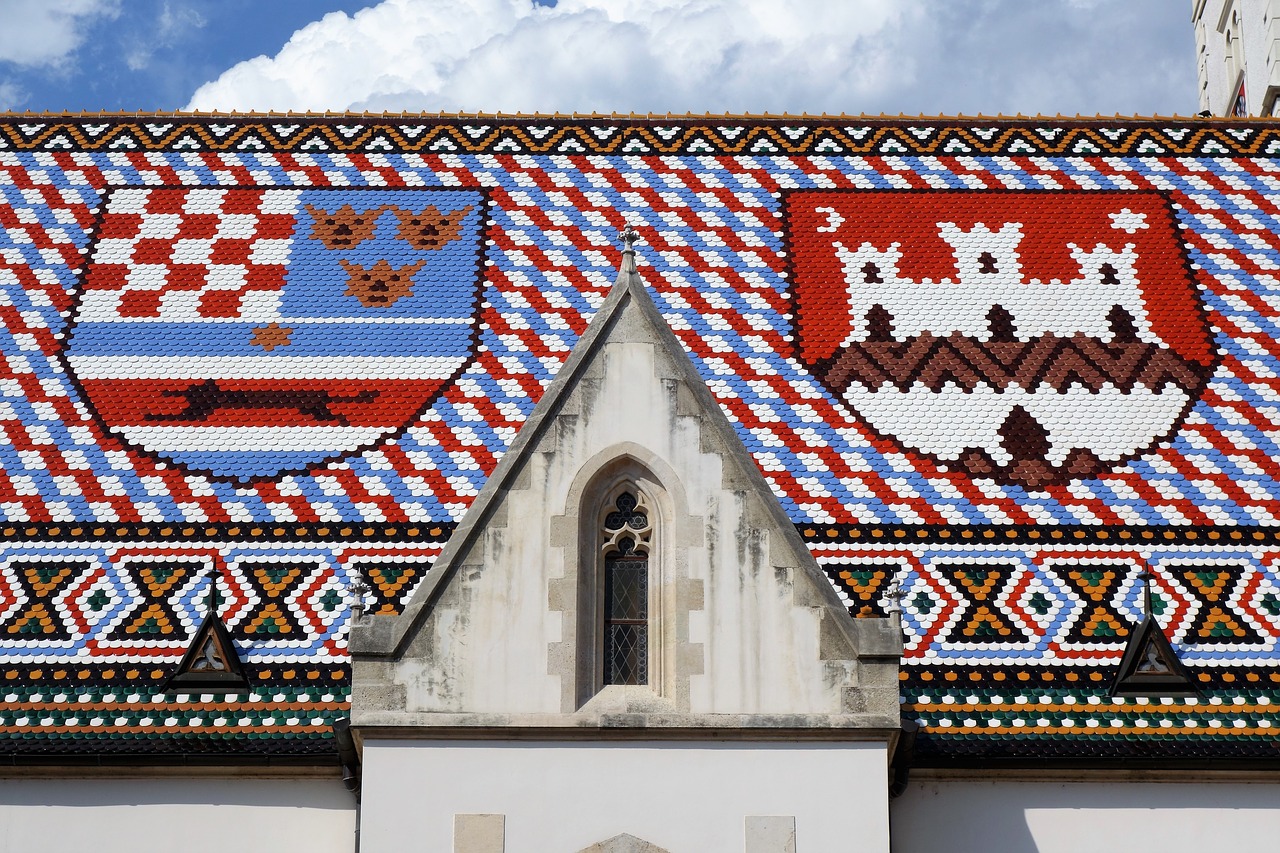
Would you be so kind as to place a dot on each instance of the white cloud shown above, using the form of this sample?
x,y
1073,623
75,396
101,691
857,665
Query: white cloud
x,y
46,32
838,56
11,96
176,20
582,55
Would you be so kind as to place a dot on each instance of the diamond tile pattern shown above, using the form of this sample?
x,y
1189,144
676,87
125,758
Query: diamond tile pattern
x,y
626,621
627,655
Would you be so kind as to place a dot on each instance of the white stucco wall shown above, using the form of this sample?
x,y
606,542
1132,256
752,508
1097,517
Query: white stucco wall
x,y
1019,816
106,815
560,797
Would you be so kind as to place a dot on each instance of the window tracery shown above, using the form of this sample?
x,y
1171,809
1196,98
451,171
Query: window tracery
x,y
627,534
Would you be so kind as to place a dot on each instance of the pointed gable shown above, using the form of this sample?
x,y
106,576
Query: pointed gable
x,y
741,621
624,843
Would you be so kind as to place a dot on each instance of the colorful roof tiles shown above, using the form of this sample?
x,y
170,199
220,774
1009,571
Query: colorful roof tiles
x,y
1008,365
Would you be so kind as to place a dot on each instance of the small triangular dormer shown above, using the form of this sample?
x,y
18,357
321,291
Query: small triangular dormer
x,y
626,591
211,663
1150,666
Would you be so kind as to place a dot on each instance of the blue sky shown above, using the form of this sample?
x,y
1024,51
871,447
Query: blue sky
x,y
139,54
1131,57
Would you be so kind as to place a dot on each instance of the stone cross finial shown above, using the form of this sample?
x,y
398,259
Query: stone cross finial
x,y
629,237
359,589
211,602
893,595
1146,578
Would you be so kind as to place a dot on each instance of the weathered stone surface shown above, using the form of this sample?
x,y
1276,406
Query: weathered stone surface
x,y
745,630
770,834
623,844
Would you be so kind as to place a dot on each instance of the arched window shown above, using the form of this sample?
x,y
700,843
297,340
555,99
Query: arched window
x,y
626,534
1234,55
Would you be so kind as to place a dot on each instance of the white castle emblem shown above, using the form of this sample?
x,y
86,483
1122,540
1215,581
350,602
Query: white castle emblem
x,y
1003,375
990,274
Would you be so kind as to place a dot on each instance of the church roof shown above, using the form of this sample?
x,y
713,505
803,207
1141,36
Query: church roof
x,y
285,352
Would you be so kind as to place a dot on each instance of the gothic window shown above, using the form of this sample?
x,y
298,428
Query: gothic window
x,y
625,551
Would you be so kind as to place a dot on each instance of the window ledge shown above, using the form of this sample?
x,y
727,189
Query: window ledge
x,y
627,699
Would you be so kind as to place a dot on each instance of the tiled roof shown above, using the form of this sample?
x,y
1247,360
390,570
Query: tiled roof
x,y
45,719
288,351
642,135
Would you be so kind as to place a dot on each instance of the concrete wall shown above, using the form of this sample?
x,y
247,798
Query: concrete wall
x,y
562,797
1013,816
106,815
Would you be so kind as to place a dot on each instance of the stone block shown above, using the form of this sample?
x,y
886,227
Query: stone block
x,y
878,638
771,834
479,833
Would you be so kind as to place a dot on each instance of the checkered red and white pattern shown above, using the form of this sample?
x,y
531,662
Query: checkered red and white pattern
x,y
207,252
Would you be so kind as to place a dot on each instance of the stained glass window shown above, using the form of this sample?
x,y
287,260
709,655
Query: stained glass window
x,y
626,593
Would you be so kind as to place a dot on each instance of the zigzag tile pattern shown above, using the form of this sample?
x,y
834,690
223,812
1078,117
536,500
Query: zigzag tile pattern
x,y
608,135
1010,651
1066,605
88,635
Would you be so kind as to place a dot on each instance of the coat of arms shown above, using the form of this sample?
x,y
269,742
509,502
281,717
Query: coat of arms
x,y
1026,337
249,332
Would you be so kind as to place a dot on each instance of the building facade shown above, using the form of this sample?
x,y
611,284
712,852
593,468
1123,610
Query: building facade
x,y
889,483
1237,48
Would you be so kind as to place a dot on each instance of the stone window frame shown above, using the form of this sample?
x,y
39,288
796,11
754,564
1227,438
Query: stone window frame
x,y
579,592
623,474
612,551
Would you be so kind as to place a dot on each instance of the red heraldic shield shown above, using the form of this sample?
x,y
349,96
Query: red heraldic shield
x,y
1027,337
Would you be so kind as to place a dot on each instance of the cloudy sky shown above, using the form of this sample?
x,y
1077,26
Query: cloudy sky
x,y
1133,57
